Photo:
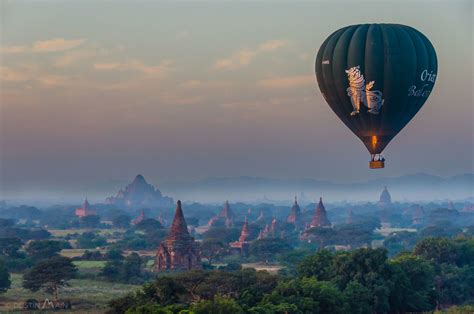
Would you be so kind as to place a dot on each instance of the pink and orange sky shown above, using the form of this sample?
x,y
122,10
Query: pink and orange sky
x,y
95,92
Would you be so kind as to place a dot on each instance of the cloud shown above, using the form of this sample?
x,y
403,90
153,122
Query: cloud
x,y
51,45
138,66
107,66
22,74
287,82
272,45
56,44
198,84
14,49
73,57
244,57
56,80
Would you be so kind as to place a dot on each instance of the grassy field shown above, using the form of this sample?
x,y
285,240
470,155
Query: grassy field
x,y
89,264
76,252
63,233
86,296
273,269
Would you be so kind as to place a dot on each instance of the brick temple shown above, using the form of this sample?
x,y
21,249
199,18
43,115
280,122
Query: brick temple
x,y
243,244
178,251
320,218
295,215
85,210
225,217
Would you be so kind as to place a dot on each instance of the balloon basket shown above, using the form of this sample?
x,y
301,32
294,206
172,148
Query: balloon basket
x,y
377,164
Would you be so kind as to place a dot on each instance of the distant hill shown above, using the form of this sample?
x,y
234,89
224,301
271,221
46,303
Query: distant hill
x,y
409,187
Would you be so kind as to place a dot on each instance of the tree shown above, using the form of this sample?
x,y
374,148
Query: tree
x,y
415,283
219,305
4,278
131,269
212,248
43,249
50,275
441,229
9,247
268,247
319,265
90,240
438,250
322,236
358,297
308,295
148,224
90,221
121,221
114,255
112,270
225,234
5,223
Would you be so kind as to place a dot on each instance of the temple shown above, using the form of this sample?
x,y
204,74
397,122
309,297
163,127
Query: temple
x,y
418,216
270,231
350,217
320,218
85,210
243,244
178,251
295,215
139,218
385,198
225,217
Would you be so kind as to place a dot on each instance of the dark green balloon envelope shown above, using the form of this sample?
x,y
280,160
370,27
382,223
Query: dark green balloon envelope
x,y
376,77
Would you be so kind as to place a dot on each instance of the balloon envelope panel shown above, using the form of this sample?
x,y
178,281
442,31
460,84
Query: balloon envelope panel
x,y
376,77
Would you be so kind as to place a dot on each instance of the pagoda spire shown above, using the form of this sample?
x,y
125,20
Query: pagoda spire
x,y
320,218
244,234
86,204
179,227
295,214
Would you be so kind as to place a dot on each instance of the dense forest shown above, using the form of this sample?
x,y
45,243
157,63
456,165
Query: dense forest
x,y
438,273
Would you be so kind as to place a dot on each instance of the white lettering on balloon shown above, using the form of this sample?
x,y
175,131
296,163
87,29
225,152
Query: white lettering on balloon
x,y
430,77
419,92
423,91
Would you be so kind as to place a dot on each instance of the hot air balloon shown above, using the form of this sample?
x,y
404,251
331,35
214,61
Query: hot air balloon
x,y
376,77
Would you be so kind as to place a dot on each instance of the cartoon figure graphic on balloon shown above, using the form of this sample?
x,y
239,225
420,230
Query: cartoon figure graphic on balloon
x,y
359,92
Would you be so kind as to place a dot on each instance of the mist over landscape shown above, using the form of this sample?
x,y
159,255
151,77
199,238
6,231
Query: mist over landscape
x,y
237,157
416,188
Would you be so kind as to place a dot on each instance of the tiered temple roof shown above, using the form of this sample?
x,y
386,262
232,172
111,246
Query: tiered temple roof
x,y
385,198
225,216
320,218
295,214
243,243
418,216
139,218
85,210
178,251
350,217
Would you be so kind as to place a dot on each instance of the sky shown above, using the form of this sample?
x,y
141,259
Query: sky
x,y
92,93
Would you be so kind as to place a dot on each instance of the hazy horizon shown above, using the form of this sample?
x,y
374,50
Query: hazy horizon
x,y
183,92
